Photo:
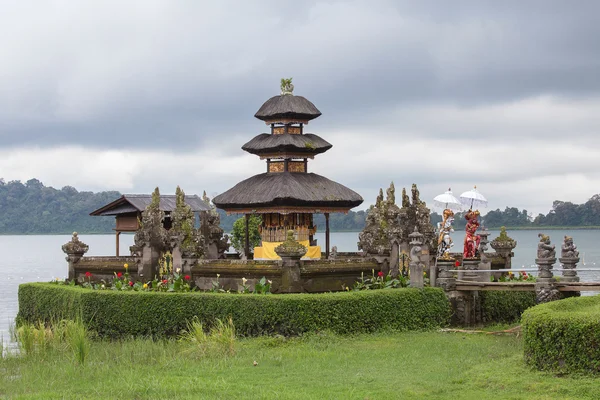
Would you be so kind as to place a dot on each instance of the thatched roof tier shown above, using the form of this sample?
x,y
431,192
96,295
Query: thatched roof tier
x,y
287,108
307,143
288,192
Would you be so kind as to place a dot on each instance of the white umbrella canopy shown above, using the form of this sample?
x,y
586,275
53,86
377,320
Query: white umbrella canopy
x,y
447,200
472,198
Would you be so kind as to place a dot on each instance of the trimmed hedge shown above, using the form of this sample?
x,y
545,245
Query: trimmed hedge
x,y
121,314
563,336
505,306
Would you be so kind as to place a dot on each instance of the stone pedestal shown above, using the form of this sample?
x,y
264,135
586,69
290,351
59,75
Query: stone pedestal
x,y
290,252
545,266
74,249
416,266
485,263
503,245
569,265
470,265
544,286
445,277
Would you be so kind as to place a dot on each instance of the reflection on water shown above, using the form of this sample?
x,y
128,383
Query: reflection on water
x,y
40,259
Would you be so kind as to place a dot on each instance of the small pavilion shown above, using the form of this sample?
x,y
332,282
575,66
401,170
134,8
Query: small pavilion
x,y
287,195
128,208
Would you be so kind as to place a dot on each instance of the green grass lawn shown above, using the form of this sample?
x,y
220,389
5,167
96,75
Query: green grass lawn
x,y
429,365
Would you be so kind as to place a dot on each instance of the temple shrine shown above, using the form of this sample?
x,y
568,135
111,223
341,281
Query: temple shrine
x,y
287,195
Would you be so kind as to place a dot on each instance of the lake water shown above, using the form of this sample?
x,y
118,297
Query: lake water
x,y
39,258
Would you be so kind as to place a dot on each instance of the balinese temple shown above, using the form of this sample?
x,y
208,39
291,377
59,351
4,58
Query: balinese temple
x,y
287,194
128,208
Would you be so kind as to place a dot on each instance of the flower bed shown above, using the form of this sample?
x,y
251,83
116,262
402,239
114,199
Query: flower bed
x,y
125,313
563,336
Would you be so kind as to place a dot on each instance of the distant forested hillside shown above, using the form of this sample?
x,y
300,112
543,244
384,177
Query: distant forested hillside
x,y
35,208
32,208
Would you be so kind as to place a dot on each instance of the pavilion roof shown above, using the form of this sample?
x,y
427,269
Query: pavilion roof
x,y
129,203
287,106
269,192
307,143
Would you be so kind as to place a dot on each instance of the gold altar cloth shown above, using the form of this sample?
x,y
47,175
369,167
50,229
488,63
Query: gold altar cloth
x,y
267,251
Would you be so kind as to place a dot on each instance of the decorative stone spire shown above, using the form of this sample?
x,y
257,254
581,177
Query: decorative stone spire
x,y
286,86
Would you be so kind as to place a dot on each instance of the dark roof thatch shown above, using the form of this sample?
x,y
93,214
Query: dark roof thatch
x,y
287,106
307,143
129,203
287,189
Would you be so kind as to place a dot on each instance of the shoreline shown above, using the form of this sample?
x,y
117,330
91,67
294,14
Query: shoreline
x,y
508,228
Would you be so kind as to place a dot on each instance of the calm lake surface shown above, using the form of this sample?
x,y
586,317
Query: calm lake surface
x,y
39,258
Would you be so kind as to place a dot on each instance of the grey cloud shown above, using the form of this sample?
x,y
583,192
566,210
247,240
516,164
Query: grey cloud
x,y
176,75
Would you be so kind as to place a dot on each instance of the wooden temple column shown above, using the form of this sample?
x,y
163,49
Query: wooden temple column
x,y
118,233
247,237
327,235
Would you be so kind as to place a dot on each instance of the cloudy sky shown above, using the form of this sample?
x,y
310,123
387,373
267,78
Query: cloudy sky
x,y
129,95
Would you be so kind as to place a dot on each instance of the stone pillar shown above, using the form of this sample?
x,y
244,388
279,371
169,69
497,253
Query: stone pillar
x,y
416,266
485,263
504,245
150,256
290,252
74,249
445,277
544,286
569,265
469,265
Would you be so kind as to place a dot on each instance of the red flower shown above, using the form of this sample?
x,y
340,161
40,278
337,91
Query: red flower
x,y
187,277
130,283
165,281
119,274
88,274
380,274
457,264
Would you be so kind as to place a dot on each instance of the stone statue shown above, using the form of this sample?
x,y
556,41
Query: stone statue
x,y
416,214
569,249
382,225
444,240
471,242
151,231
391,193
333,254
216,243
545,249
183,233
286,86
75,248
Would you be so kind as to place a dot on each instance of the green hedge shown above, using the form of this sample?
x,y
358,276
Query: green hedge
x,y
505,306
121,314
563,336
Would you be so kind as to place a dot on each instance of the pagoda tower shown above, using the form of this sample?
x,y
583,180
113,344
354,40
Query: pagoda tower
x,y
287,195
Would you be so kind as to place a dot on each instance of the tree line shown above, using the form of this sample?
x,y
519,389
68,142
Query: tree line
x,y
32,208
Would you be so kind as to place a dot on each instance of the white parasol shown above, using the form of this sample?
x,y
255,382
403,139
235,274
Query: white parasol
x,y
447,200
473,198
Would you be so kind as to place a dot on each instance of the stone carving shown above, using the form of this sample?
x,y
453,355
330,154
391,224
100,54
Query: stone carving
x,y
75,248
333,254
445,243
382,225
183,233
417,214
569,259
546,294
216,243
151,231
569,249
545,249
286,86
290,248
503,245
471,242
